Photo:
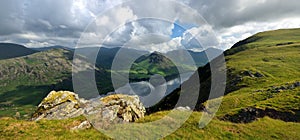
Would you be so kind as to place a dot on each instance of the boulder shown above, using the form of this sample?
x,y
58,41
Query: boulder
x,y
117,108
59,105
102,111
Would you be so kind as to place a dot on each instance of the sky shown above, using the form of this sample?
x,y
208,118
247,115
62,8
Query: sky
x,y
156,25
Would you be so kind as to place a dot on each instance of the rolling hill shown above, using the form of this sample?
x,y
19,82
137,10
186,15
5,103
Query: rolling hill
x,y
9,50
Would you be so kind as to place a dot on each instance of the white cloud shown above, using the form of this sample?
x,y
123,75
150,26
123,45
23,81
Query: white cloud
x,y
229,36
62,22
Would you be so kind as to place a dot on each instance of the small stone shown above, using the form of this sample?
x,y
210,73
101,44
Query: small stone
x,y
187,108
291,86
17,115
84,125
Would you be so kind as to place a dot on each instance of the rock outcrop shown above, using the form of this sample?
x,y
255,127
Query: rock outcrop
x,y
60,105
100,112
250,114
114,109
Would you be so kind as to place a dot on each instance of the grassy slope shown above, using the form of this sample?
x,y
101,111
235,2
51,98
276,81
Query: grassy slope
x,y
26,80
280,65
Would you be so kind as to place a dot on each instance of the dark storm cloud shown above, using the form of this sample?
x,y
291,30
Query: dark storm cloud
x,y
11,17
227,13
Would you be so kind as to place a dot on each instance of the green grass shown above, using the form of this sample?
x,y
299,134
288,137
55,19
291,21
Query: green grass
x,y
279,64
264,128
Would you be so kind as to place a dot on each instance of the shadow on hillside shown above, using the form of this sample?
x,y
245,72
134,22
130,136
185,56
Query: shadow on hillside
x,y
251,114
32,95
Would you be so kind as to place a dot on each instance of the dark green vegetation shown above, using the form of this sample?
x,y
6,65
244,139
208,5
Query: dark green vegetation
x,y
262,98
8,50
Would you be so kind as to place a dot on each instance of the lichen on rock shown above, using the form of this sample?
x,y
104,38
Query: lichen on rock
x,y
60,105
112,109
100,112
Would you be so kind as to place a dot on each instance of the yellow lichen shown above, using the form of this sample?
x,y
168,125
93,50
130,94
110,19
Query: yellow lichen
x,y
69,96
112,97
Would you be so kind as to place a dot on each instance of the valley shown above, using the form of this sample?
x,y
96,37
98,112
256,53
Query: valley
x,y
261,101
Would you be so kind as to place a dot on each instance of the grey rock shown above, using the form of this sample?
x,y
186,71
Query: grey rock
x,y
101,112
84,125
59,105
248,73
183,108
116,108
258,75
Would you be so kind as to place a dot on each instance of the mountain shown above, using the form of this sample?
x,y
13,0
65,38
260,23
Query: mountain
x,y
169,64
154,63
199,58
52,47
9,50
26,80
105,56
263,80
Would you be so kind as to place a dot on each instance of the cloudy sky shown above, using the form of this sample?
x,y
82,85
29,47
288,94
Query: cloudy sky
x,y
154,25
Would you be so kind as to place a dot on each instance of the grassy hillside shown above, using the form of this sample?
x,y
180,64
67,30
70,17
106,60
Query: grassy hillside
x,y
257,70
267,39
275,55
262,81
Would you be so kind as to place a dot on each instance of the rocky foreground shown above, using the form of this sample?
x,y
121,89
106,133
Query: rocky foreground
x,y
100,112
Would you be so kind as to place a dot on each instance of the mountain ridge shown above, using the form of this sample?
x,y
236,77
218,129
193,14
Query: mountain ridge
x,y
10,50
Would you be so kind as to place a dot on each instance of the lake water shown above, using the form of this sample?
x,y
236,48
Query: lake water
x,y
152,91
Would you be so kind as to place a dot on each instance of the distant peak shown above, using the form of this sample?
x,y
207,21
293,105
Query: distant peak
x,y
156,57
